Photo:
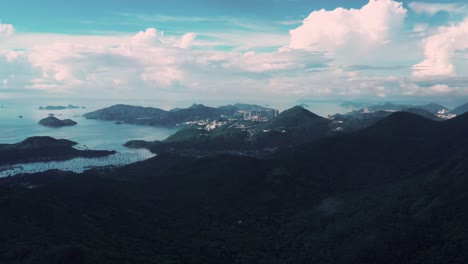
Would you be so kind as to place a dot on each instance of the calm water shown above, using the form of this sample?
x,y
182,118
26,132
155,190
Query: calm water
x,y
93,134
102,135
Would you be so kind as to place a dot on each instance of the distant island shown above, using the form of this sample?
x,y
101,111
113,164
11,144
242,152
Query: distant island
x,y
44,149
181,116
435,109
52,121
52,107
291,127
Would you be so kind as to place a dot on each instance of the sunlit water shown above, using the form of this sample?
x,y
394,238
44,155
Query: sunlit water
x,y
92,134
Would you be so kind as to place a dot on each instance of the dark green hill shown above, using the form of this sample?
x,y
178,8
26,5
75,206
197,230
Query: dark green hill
x,y
157,117
433,108
460,109
131,114
199,112
291,127
38,149
55,122
292,118
424,113
250,107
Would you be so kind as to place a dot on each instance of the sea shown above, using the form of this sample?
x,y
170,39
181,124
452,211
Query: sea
x,y
19,121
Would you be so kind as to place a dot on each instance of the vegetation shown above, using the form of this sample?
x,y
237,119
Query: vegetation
x,y
392,193
157,117
38,149
55,122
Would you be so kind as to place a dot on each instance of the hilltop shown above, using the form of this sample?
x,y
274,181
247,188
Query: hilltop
x,y
55,122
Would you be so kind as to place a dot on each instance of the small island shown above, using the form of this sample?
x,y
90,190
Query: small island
x,y
52,121
53,107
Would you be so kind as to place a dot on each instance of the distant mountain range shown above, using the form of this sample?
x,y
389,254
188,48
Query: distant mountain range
x,y
158,117
460,109
433,108
292,127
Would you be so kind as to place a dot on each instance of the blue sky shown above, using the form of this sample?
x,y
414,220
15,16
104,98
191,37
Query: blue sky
x,y
234,50
91,16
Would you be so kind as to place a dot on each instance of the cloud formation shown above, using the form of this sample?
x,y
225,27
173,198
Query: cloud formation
x,y
440,51
434,8
6,30
372,51
373,24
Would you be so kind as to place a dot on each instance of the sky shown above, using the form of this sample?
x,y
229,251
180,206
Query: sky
x,y
232,51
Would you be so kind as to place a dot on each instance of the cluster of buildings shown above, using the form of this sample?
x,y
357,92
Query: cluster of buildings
x,y
445,114
259,115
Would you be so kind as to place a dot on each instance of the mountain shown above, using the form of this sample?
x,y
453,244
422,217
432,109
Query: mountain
x,y
433,108
392,107
391,193
229,108
250,107
291,127
42,149
157,117
358,120
388,106
460,109
55,122
293,118
130,114
424,113
199,111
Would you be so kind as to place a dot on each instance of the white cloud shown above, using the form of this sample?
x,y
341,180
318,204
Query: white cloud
x,y
277,62
162,77
440,50
6,30
150,36
434,8
186,41
341,53
371,25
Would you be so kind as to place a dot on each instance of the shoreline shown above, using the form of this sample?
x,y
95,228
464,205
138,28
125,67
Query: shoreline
x,y
77,165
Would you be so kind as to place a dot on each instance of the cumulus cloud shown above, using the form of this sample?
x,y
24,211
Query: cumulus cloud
x,y
186,41
440,50
373,24
147,57
150,36
340,53
6,30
